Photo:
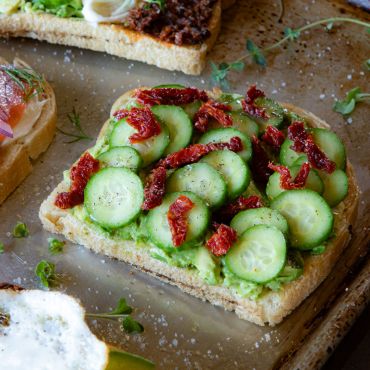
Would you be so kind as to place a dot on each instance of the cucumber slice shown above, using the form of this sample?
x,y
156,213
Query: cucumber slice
x,y
288,156
224,135
274,111
314,182
192,108
331,145
150,150
244,124
122,156
169,86
234,100
259,216
201,179
309,217
232,168
336,186
178,124
113,197
259,255
159,230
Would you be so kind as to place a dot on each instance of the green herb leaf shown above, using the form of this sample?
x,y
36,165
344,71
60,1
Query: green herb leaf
x,y
291,34
318,250
130,325
219,75
2,248
237,65
256,53
122,308
367,64
329,26
45,271
160,3
347,105
55,246
20,230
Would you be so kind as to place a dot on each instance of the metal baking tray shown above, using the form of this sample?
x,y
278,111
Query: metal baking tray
x,y
183,332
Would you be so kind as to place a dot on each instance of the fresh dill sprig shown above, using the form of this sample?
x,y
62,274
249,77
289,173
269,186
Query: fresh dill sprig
x,y
121,313
75,119
219,74
30,82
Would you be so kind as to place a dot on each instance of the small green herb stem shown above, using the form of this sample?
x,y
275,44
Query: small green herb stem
x,y
106,316
363,96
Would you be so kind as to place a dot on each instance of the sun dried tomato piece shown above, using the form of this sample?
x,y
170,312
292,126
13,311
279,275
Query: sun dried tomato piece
x,y
273,137
193,153
250,107
170,96
241,203
286,181
222,240
303,143
155,189
142,120
177,219
215,110
86,166
259,163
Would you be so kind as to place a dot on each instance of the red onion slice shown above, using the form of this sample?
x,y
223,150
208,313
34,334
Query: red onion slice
x,y
5,128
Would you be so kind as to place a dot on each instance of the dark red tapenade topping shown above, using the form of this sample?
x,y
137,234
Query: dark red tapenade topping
x,y
286,181
248,103
215,110
193,153
155,189
177,219
81,172
222,240
259,163
227,212
142,120
180,22
303,143
273,137
170,96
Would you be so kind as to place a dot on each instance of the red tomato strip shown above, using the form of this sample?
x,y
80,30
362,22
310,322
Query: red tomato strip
x,y
273,137
80,175
222,240
259,163
155,189
142,120
170,96
286,181
303,143
248,103
215,110
177,219
241,203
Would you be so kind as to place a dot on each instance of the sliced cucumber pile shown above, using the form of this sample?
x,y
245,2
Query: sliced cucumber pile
x,y
336,186
224,135
274,111
150,150
259,216
159,230
258,255
309,217
113,197
121,156
313,182
202,180
179,126
233,170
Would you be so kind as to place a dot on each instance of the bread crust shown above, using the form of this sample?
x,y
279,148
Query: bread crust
x,y
270,308
17,156
113,39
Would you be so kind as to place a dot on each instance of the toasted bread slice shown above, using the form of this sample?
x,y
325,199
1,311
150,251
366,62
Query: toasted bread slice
x,y
43,329
270,308
16,156
113,39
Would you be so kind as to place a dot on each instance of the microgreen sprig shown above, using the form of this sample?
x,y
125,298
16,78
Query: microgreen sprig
x,y
20,230
75,119
45,271
121,313
55,246
348,104
219,74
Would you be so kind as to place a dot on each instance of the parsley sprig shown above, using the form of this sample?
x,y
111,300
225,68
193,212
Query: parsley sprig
x,y
55,246
45,271
75,119
219,74
348,104
121,313
30,82
20,230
